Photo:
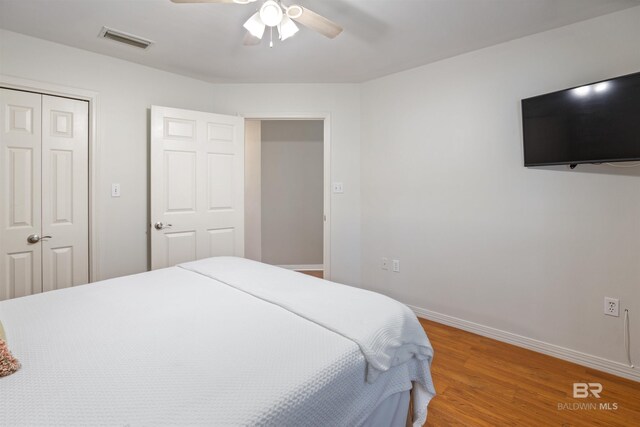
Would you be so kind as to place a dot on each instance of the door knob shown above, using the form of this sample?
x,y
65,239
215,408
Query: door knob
x,y
34,238
161,226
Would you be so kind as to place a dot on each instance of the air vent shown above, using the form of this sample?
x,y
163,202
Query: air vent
x,y
121,37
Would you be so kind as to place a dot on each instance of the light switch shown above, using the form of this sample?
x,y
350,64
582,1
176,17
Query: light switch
x,y
115,190
338,188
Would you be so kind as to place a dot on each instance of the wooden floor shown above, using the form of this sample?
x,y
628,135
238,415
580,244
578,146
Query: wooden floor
x,y
483,382
314,273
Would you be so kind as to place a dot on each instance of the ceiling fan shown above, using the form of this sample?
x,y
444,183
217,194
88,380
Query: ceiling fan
x,y
274,14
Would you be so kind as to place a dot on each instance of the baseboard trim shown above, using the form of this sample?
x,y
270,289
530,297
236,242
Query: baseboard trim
x,y
303,267
588,360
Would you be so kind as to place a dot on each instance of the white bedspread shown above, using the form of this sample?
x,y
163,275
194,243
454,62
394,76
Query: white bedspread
x,y
386,331
174,347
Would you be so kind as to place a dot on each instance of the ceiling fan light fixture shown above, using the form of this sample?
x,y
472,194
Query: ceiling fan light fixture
x,y
271,13
255,26
294,11
287,28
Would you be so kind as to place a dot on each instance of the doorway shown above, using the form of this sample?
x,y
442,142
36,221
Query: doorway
x,y
287,192
91,97
44,238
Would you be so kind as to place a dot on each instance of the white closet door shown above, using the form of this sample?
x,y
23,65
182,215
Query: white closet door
x,y
65,203
197,186
20,190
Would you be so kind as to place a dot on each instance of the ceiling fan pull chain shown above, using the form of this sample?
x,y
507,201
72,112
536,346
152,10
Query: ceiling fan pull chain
x,y
271,41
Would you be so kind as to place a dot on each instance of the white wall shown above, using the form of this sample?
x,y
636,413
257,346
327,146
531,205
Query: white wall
x,y
480,237
292,192
127,90
252,190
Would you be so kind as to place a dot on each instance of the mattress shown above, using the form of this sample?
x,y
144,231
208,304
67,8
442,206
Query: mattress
x,y
176,347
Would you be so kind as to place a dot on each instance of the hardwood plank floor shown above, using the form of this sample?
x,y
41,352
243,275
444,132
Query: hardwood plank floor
x,y
483,382
314,273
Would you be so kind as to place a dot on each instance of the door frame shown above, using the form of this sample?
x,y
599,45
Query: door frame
x,y
16,83
326,119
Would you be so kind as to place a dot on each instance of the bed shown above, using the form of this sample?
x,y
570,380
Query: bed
x,y
222,341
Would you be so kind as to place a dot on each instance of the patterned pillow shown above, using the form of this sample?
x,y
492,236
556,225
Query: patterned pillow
x,y
8,363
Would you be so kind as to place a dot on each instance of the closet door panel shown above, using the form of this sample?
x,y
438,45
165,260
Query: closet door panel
x,y
65,206
20,193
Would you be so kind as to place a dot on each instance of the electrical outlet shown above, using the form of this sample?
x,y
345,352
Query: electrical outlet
x,y
338,188
396,266
384,264
611,307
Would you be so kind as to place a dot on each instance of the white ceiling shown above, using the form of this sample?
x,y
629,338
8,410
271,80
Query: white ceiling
x,y
381,36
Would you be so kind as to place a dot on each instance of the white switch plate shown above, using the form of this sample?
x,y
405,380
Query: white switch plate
x,y
338,188
396,266
115,190
384,264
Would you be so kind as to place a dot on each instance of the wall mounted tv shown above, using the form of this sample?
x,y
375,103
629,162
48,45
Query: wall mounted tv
x,y
595,123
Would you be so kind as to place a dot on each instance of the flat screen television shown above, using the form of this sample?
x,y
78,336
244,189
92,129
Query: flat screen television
x,y
595,123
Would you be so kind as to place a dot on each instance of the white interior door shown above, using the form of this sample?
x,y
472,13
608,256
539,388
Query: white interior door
x,y
65,191
44,212
197,186
20,193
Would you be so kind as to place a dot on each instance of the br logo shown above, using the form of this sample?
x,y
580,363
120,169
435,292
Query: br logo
x,y
583,390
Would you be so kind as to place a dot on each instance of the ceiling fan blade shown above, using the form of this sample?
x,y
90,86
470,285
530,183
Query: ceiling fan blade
x,y
203,1
318,23
249,40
